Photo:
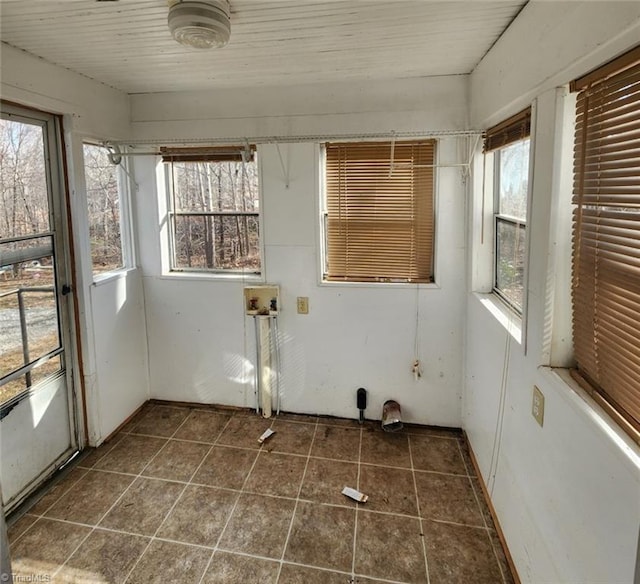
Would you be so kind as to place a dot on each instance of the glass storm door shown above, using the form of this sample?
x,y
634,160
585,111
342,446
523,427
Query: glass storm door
x,y
37,429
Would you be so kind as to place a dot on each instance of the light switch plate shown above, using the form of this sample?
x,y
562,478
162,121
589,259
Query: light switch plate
x,y
537,408
303,304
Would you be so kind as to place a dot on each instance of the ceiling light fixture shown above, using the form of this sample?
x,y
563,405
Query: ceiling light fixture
x,y
202,24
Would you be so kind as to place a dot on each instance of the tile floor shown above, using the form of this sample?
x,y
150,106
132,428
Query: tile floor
x,y
188,495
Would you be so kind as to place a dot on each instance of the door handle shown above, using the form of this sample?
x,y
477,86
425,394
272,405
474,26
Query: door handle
x,y
66,289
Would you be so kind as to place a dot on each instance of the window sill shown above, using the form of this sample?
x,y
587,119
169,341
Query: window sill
x,y
586,406
510,320
212,277
422,286
106,277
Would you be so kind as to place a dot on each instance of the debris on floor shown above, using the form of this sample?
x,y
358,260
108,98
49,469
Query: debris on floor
x,y
355,495
266,434
194,476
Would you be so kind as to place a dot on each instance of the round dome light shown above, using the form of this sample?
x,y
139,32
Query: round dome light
x,y
202,24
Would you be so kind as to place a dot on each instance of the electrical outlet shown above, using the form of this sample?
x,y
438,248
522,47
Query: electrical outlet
x,y
303,305
537,408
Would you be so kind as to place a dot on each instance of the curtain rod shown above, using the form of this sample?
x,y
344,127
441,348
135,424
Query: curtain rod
x,y
300,138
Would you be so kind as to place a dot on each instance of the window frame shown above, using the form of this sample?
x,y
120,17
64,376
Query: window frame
x,y
124,181
219,273
498,217
323,220
604,386
506,133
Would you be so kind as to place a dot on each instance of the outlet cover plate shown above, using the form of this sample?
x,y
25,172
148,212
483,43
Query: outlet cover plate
x,y
537,408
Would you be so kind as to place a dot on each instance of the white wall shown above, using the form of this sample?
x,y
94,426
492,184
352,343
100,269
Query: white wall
x,y
549,43
111,315
93,108
567,493
119,336
430,103
201,345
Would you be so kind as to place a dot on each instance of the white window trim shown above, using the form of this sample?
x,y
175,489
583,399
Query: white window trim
x,y
169,272
483,253
320,169
125,187
503,313
196,276
129,186
557,348
495,216
106,277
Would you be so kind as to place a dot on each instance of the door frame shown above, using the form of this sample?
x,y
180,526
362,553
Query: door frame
x,y
58,180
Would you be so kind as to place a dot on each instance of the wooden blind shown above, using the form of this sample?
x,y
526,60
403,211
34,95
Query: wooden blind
x,y
206,154
515,128
380,224
606,235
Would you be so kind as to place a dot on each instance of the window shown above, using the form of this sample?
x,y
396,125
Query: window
x,y
214,209
104,202
606,237
510,143
378,219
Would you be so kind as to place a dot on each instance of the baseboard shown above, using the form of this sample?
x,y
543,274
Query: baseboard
x,y
126,421
494,516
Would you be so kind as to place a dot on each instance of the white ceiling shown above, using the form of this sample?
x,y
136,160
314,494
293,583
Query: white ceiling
x,y
126,43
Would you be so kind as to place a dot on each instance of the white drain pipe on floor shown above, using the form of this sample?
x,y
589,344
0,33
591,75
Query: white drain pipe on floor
x,y
264,364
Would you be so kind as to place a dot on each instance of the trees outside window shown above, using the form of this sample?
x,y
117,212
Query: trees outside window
x,y
23,188
104,209
512,187
214,210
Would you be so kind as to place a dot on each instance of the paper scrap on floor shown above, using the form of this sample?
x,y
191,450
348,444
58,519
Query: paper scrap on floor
x,y
268,432
355,495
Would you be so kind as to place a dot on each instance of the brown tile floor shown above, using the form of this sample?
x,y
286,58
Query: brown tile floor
x,y
188,495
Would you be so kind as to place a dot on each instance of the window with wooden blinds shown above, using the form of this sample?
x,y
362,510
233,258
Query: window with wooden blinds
x,y
509,142
606,236
515,128
379,211
209,154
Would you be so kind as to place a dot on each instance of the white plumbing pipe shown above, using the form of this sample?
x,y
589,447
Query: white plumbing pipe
x,y
264,364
